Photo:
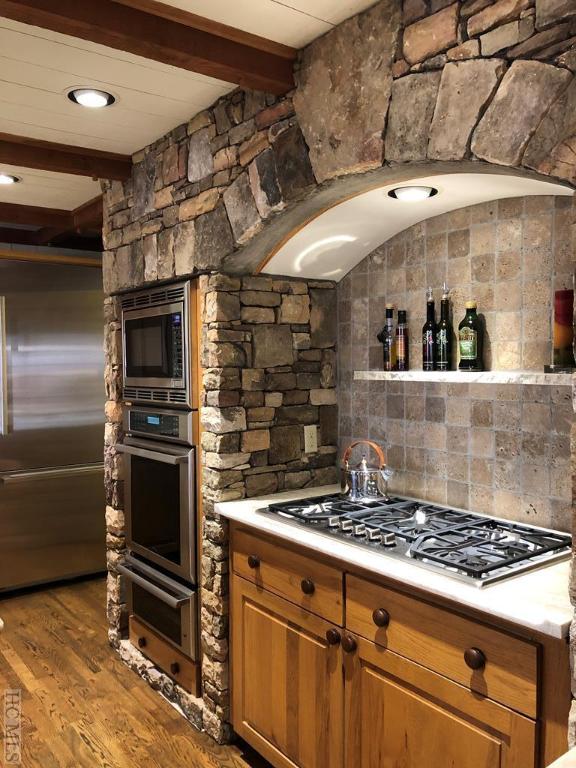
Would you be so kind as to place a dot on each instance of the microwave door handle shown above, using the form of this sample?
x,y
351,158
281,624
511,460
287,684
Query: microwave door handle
x,y
173,602
143,453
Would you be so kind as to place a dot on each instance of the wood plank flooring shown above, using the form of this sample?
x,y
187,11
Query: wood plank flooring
x,y
81,706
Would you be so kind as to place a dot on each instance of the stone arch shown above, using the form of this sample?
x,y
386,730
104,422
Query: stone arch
x,y
454,119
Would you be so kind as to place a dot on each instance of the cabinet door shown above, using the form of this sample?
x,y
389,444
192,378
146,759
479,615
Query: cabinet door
x,y
287,680
399,714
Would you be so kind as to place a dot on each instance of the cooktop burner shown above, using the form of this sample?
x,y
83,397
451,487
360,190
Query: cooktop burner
x,y
466,545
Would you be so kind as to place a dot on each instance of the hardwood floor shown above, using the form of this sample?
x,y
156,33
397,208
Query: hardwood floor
x,y
81,706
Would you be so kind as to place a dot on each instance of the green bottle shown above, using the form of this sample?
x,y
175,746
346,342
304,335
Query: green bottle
x,y
471,340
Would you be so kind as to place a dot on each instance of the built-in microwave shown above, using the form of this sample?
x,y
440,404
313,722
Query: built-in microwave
x,y
157,333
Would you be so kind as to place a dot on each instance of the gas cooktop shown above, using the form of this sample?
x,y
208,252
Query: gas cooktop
x,y
475,548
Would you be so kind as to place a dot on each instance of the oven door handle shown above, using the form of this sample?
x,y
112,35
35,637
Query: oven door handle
x,y
144,453
173,602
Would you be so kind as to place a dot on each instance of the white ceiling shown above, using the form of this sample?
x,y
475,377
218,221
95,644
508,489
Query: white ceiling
x,y
47,189
291,22
38,67
338,239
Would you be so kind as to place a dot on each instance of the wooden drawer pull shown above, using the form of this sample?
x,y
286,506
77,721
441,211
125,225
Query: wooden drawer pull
x,y
333,637
474,658
381,617
253,561
349,644
307,586
174,668
141,642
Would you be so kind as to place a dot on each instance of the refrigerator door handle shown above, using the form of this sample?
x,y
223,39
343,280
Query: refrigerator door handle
x,y
50,474
4,427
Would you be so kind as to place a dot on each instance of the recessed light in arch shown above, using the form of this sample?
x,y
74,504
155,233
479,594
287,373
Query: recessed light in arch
x,y
412,194
92,98
6,179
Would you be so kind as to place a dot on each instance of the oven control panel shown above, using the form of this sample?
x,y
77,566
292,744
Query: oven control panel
x,y
158,423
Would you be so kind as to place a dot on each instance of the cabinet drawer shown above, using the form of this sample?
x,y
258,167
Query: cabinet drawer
x,y
301,579
170,660
438,640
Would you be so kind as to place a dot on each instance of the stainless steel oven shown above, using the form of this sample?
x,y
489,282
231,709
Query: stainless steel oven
x,y
165,605
160,493
157,355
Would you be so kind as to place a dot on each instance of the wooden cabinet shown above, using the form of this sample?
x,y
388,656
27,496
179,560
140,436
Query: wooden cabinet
x,y
401,714
170,660
441,640
359,674
288,687
313,585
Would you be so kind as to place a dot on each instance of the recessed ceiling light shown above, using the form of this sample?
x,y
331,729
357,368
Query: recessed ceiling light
x,y
412,194
7,178
91,98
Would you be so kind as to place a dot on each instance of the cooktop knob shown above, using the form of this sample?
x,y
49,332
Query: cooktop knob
x,y
388,540
346,525
359,530
373,535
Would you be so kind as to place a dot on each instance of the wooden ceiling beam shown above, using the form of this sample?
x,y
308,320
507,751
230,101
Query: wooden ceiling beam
x,y
54,223
142,32
34,215
18,236
62,158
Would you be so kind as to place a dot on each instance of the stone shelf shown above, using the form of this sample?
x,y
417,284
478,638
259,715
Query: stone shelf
x,y
466,377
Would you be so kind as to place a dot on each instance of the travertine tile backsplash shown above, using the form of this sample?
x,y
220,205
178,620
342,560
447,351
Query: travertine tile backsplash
x,y
498,449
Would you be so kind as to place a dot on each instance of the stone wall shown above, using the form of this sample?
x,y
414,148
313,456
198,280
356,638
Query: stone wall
x,y
503,449
403,83
269,368
400,83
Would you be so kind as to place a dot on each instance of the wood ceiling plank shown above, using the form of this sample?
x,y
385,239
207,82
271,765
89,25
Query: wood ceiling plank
x,y
48,156
155,37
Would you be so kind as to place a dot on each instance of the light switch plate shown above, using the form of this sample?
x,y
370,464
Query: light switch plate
x,y
310,439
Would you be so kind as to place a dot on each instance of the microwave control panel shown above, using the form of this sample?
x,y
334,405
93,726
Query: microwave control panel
x,y
177,346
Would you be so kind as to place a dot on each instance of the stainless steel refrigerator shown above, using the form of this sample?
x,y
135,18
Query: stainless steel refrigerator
x,y
51,423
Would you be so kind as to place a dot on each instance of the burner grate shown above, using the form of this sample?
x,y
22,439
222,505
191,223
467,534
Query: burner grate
x,y
465,545
485,546
319,509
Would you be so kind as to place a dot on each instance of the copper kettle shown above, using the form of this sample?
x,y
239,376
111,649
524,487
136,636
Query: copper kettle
x,y
363,482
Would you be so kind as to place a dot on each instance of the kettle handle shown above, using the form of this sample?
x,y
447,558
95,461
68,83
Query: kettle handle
x,y
375,447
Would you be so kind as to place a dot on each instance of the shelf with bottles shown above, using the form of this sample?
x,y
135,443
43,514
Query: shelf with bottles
x,y
536,378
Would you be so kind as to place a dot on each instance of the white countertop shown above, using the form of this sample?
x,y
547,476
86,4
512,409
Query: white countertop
x,y
566,761
537,600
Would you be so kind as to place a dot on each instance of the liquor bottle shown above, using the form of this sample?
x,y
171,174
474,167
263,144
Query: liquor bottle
x,y
471,340
429,334
402,359
386,336
444,334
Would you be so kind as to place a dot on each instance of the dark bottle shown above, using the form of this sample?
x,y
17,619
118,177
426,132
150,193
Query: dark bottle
x,y
386,337
402,360
471,340
429,335
444,334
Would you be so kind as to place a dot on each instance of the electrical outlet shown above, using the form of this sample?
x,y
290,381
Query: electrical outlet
x,y
310,439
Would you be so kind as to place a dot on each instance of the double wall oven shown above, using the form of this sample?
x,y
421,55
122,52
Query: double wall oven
x,y
160,454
